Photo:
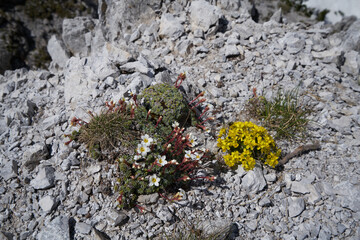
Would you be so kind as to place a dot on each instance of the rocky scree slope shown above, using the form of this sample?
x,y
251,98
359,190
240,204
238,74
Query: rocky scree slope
x,y
52,191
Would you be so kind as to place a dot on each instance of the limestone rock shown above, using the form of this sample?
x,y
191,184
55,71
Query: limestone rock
x,y
76,35
203,15
47,203
292,42
57,229
296,206
44,179
9,170
148,199
117,218
170,26
225,227
352,63
83,228
57,51
351,38
137,66
120,17
277,16
254,181
34,154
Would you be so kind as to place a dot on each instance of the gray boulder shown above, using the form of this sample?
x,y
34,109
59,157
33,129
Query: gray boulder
x,y
57,229
254,181
44,179
203,15
296,206
9,170
170,26
122,17
352,62
351,39
82,76
57,51
277,16
33,155
137,66
114,53
220,228
292,42
47,203
148,199
117,218
77,35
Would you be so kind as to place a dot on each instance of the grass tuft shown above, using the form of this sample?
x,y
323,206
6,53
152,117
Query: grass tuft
x,y
284,115
107,131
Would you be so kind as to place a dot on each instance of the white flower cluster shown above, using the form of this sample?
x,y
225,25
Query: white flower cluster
x,y
143,147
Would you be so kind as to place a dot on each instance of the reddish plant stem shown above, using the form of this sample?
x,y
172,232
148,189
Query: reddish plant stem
x,y
209,118
201,126
205,110
198,103
158,121
200,95
134,98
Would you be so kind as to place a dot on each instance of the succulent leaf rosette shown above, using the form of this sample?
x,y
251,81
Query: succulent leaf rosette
x,y
245,142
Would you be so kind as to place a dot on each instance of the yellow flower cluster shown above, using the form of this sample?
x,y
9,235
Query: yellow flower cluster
x,y
244,142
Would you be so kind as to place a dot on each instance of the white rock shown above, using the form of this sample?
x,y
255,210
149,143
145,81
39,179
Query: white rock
x,y
117,218
57,51
292,42
203,15
114,53
351,38
183,47
137,66
170,26
352,63
74,35
9,170
83,228
79,78
47,203
254,181
57,229
231,51
44,179
300,187
296,206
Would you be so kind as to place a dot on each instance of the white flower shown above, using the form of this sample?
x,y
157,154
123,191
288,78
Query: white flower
x,y
174,162
154,180
188,154
192,140
137,157
175,124
161,160
146,140
196,156
142,149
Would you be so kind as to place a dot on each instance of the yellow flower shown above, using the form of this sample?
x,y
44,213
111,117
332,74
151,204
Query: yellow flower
x,y
222,132
245,143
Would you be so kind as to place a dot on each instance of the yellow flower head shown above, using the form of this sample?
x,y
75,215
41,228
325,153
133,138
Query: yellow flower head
x,y
246,142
